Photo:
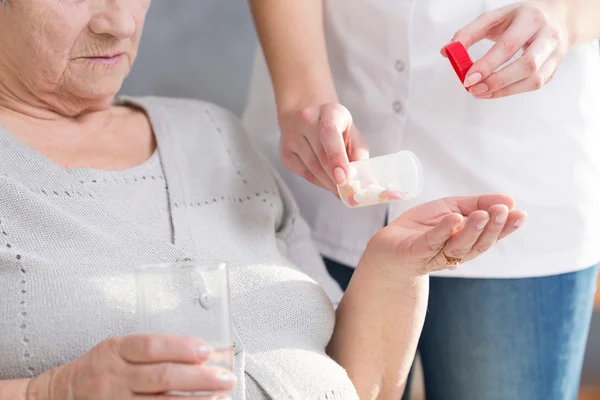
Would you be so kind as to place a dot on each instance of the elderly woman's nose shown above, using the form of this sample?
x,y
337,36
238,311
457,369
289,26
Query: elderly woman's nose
x,y
115,19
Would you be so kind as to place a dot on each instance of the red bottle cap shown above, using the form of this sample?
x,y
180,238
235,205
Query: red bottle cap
x,y
460,59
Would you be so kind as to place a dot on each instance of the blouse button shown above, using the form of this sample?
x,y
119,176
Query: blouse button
x,y
400,66
397,107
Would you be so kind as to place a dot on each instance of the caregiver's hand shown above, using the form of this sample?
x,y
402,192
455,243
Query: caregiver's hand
x,y
418,241
317,144
134,367
539,28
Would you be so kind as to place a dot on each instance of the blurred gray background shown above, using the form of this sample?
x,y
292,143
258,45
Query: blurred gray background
x,y
203,49
196,48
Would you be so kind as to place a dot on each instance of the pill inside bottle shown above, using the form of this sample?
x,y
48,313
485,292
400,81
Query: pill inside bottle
x,y
378,180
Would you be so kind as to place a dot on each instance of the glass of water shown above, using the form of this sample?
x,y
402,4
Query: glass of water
x,y
188,299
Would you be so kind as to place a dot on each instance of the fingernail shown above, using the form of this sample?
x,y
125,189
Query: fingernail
x,y
501,218
341,117
473,79
482,224
458,225
519,222
479,89
226,379
339,175
203,351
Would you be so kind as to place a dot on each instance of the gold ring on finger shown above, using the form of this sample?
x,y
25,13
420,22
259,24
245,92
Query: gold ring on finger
x,y
451,262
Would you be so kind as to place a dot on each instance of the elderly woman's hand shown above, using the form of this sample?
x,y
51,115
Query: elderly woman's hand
x,y
539,28
132,367
317,143
429,236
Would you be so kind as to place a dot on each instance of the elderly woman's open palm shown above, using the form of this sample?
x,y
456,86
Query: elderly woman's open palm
x,y
443,233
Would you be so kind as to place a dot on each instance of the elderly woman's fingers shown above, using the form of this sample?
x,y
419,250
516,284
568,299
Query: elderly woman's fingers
x,y
498,217
460,244
330,145
166,377
220,396
156,348
516,219
429,244
469,204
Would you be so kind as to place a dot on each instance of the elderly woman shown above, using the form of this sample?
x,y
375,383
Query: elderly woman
x,y
90,188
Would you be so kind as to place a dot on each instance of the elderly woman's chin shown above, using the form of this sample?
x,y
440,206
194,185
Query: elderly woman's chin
x,y
97,82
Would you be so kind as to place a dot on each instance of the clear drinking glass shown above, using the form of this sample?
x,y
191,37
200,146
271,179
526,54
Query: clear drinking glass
x,y
188,299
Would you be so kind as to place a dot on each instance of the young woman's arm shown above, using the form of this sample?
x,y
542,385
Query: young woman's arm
x,y
293,42
318,138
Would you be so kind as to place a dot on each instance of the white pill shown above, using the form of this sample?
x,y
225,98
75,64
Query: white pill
x,y
392,187
355,185
361,196
373,192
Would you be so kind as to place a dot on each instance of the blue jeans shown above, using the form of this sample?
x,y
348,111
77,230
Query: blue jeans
x,y
503,339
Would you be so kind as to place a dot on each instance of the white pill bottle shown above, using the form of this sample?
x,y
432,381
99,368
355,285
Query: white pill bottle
x,y
377,180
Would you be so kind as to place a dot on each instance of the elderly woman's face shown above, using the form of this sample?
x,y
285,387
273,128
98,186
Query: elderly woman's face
x,y
81,48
